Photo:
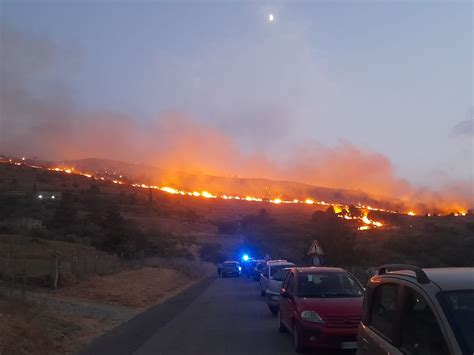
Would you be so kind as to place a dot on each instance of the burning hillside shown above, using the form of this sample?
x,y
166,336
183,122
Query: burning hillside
x,y
246,190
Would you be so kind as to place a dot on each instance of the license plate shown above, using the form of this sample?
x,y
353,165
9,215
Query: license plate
x,y
349,345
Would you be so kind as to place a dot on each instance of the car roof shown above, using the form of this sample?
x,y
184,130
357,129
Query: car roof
x,y
321,269
231,262
452,278
277,261
447,279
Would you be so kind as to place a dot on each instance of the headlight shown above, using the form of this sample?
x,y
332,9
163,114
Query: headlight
x,y
311,316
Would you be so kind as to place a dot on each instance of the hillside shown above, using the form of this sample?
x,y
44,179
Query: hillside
x,y
124,219
232,185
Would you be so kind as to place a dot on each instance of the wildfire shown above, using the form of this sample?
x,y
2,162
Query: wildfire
x,y
341,210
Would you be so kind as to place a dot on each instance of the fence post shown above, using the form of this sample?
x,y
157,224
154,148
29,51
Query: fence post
x,y
7,263
12,285
25,279
55,270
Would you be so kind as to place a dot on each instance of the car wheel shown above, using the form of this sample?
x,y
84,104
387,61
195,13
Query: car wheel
x,y
281,326
297,340
273,309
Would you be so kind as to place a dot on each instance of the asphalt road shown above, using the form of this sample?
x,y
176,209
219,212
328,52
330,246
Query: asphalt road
x,y
216,317
229,317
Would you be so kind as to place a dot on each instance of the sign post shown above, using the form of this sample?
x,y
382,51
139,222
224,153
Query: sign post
x,y
316,253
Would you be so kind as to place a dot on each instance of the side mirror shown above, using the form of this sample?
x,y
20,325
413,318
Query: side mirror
x,y
284,293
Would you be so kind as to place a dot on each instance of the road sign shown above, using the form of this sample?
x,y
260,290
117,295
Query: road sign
x,y
315,249
317,260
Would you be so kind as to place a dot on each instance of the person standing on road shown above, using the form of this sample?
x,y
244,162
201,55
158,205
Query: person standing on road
x,y
219,269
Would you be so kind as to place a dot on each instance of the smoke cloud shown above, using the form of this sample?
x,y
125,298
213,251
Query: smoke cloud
x,y
39,117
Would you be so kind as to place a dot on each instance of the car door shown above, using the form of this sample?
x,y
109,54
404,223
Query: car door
x,y
381,333
287,304
264,278
421,333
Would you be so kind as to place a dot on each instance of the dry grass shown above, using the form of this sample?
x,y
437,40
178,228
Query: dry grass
x,y
66,319
131,288
22,330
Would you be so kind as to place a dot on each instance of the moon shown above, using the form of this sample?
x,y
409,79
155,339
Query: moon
x,y
271,17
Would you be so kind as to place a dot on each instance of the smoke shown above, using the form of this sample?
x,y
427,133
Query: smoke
x,y
47,123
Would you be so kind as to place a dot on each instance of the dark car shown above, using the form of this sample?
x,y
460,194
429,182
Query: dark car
x,y
230,268
409,310
257,269
247,267
321,307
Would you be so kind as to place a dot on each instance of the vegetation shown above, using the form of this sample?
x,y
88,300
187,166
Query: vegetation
x,y
211,252
125,221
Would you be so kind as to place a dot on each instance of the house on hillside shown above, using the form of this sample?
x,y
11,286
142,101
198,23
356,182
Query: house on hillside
x,y
48,195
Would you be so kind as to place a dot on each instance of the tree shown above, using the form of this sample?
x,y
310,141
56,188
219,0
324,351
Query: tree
x,y
211,252
334,236
122,235
330,211
354,212
65,214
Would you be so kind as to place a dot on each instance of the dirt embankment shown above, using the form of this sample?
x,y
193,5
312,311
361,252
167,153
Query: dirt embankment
x,y
64,320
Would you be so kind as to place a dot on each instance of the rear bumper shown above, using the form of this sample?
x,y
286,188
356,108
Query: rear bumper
x,y
321,336
230,273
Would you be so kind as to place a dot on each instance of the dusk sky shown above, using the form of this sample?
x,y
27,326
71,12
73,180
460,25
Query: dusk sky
x,y
393,78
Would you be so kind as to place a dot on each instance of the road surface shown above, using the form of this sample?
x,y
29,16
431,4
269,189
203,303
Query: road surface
x,y
219,317
229,317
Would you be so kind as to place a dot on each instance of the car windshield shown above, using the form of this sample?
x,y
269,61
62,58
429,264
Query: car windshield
x,y
280,275
274,269
230,264
459,308
328,284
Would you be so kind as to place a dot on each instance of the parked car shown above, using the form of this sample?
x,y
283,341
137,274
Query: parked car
x,y
410,310
257,270
230,268
321,307
248,267
269,270
272,295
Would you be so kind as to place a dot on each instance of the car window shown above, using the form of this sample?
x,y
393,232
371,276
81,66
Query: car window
x,y
459,307
280,275
290,285
328,284
421,334
384,308
275,268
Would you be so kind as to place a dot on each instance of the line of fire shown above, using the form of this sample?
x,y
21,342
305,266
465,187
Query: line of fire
x,y
359,214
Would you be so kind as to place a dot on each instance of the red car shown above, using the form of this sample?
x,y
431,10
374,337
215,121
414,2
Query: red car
x,y
321,307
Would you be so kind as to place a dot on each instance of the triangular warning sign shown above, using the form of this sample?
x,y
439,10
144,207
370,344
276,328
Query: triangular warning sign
x,y
315,249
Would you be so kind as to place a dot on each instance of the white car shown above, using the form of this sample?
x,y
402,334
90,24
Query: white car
x,y
269,271
272,295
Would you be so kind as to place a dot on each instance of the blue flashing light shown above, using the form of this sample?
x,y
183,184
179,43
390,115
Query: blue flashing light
x,y
245,257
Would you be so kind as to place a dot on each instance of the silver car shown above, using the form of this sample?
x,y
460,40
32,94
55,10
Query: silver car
x,y
270,269
418,311
272,295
